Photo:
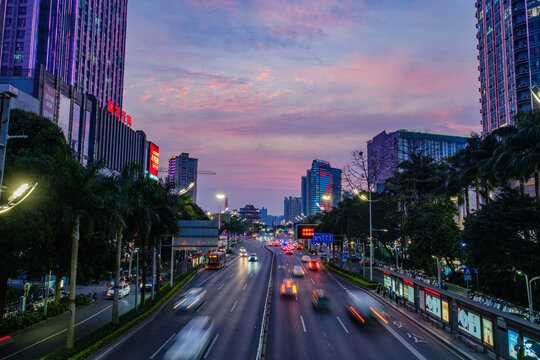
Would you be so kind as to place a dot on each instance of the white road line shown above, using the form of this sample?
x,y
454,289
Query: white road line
x,y
232,275
55,334
313,282
344,328
244,288
303,324
220,286
403,341
211,346
199,308
251,275
162,346
234,305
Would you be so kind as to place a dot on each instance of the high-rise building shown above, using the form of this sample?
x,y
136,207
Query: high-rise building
x,y
324,187
304,194
82,42
509,56
183,172
387,150
292,208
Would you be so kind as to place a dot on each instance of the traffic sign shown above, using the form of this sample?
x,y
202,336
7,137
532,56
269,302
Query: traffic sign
x,y
467,273
323,237
305,231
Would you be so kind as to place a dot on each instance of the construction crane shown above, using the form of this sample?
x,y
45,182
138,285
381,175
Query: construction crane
x,y
200,172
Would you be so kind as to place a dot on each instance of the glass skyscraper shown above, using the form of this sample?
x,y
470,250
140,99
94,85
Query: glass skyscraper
x,y
323,188
509,58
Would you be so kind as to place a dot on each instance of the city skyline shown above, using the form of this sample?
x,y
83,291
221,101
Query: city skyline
x,y
256,100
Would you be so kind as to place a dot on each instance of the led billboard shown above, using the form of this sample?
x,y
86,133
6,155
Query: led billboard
x,y
305,231
153,166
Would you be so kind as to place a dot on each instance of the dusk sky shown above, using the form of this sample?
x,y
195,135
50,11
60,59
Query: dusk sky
x,y
258,89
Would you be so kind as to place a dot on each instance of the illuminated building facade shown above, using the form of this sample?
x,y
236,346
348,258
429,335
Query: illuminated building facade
x,y
182,172
324,189
292,208
509,58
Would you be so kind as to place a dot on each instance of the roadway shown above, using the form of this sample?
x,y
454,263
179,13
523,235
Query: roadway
x,y
297,331
234,299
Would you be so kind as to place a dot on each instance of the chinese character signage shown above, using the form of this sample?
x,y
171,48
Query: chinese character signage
x,y
154,161
115,110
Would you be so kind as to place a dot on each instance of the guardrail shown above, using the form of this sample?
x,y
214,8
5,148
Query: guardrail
x,y
266,313
486,329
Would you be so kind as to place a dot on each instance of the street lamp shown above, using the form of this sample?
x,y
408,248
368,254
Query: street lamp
x,y
529,291
220,197
368,199
18,196
189,187
326,198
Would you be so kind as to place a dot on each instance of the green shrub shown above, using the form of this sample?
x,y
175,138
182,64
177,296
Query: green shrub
x,y
359,279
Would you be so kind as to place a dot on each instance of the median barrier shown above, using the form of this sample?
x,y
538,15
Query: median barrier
x,y
261,349
351,276
98,338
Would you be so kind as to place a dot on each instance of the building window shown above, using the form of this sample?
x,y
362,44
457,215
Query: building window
x,y
9,10
21,22
4,58
18,58
20,34
22,10
19,46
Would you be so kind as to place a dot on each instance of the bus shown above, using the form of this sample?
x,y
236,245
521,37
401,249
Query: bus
x,y
216,260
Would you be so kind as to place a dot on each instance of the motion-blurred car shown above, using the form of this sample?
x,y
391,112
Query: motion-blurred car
x,y
306,258
190,300
299,247
270,243
192,340
243,252
319,300
362,307
313,265
276,243
289,287
289,251
123,291
298,271
253,257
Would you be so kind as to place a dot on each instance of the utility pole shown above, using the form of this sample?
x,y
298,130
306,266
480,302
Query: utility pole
x,y
6,93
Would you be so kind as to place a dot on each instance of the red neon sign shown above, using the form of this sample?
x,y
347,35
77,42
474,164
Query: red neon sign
x,y
431,291
154,160
408,282
115,110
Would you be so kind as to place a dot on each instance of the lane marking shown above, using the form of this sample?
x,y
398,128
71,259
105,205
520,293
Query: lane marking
x,y
236,302
199,308
251,275
211,346
344,328
244,288
303,324
162,346
55,334
232,275
313,282
220,286
403,341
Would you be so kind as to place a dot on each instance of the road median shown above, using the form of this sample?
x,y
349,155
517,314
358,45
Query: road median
x,y
351,276
98,338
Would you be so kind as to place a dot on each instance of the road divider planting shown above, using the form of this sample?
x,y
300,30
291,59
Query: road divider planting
x,y
103,335
352,276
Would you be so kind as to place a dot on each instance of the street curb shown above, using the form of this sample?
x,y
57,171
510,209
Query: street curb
x,y
261,348
415,321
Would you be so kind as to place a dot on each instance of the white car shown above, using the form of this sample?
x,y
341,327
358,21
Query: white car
x,y
306,258
123,291
298,271
243,252
190,300
192,340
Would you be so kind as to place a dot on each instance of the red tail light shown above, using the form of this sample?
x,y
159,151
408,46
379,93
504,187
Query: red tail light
x,y
357,314
282,288
318,265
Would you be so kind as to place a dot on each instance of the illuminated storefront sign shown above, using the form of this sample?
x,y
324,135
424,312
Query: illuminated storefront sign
x,y
469,322
488,331
115,110
153,167
433,303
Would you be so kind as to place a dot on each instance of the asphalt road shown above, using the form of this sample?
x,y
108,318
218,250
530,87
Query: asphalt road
x,y
234,301
49,335
297,331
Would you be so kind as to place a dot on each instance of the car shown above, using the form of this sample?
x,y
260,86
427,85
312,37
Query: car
x,y
270,243
190,300
243,252
298,271
289,287
123,291
253,257
319,300
192,341
276,243
324,256
362,307
289,251
306,258
313,265
299,247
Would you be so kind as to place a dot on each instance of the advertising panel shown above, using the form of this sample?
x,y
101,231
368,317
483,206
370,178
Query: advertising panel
x,y
487,325
154,161
387,282
469,323
422,300
47,105
445,313
433,305
513,344
532,348
408,292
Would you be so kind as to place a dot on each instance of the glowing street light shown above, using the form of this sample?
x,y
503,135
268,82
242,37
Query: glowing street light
x,y
18,196
189,187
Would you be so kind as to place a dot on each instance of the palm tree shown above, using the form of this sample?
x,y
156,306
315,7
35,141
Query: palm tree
x,y
78,191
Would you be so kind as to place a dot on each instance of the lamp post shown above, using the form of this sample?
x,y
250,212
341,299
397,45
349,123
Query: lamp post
x,y
327,199
220,197
368,199
529,291
18,196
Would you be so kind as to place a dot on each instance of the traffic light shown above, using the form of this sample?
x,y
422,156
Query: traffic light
x,y
305,231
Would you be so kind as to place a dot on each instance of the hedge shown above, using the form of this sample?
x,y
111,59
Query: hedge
x,y
352,276
31,317
103,335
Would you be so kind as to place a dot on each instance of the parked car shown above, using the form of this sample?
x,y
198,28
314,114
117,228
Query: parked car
x,y
123,291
